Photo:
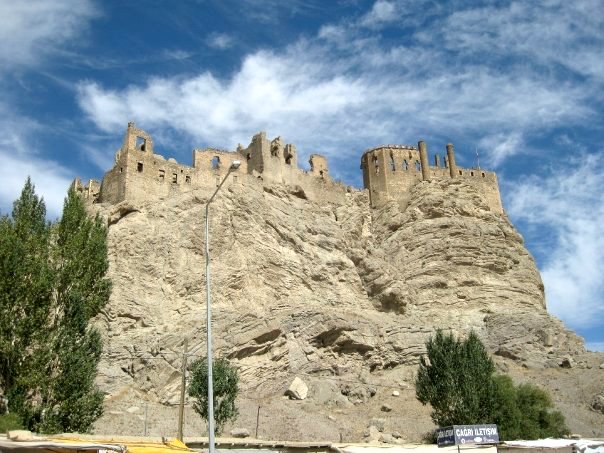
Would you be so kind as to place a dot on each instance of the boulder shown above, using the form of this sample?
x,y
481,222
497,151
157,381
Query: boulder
x,y
297,390
240,433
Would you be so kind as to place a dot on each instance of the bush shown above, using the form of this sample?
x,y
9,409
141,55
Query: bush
x,y
9,422
525,411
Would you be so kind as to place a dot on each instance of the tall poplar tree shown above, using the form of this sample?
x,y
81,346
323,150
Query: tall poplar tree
x,y
25,296
61,348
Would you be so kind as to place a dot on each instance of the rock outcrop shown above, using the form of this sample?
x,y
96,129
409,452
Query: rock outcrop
x,y
341,295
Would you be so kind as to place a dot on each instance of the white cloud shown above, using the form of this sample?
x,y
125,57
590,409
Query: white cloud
x,y
33,29
499,147
383,11
316,97
569,203
554,31
19,160
220,41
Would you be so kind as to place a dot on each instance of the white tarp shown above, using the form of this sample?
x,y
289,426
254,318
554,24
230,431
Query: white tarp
x,y
411,448
6,444
582,445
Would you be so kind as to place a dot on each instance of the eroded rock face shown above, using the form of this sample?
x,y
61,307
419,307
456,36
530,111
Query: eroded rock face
x,y
340,295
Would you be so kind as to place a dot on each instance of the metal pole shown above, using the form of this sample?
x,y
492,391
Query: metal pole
x,y
146,407
211,442
183,384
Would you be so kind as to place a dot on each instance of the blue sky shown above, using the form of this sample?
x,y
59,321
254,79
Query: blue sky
x,y
522,82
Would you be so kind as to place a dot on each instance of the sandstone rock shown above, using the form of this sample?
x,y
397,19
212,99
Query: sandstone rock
x,y
389,439
597,403
386,408
396,393
297,390
566,362
20,435
379,423
372,434
340,293
240,432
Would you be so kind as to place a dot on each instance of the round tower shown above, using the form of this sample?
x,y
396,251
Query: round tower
x,y
451,160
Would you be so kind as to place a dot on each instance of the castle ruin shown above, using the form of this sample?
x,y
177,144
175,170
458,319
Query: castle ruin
x,y
389,172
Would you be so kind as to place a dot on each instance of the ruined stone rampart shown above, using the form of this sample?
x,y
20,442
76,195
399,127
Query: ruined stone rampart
x,y
139,174
389,172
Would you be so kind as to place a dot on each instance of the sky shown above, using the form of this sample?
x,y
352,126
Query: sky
x,y
521,83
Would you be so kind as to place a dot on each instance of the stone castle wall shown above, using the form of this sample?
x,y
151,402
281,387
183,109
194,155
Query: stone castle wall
x,y
389,172
139,174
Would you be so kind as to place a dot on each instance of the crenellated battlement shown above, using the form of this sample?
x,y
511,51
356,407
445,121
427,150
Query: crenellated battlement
x,y
138,174
389,171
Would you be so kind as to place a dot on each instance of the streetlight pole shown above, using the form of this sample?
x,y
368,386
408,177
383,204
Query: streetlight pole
x,y
211,444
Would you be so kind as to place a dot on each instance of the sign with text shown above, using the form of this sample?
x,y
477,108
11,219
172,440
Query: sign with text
x,y
467,434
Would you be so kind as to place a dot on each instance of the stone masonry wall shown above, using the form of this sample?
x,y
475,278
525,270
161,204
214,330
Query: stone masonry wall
x,y
389,172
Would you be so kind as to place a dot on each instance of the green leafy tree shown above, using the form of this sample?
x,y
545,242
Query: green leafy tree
x,y
455,379
81,291
57,272
25,295
226,387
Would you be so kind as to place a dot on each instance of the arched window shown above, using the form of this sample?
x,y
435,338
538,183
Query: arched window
x,y
215,162
405,165
418,166
392,164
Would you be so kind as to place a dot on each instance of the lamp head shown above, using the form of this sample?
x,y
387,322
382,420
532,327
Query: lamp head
x,y
235,164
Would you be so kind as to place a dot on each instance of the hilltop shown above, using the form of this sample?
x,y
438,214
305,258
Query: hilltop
x,y
338,286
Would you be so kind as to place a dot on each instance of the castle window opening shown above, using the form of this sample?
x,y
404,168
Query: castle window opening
x,y
288,159
121,170
188,179
174,178
471,173
418,166
215,162
249,156
162,175
460,172
392,164
410,155
139,167
275,149
182,171
141,143
405,165
483,174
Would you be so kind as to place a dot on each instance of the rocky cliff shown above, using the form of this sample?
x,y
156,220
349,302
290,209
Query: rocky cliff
x,y
341,296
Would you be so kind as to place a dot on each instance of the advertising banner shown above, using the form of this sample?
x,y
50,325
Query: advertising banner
x,y
467,434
